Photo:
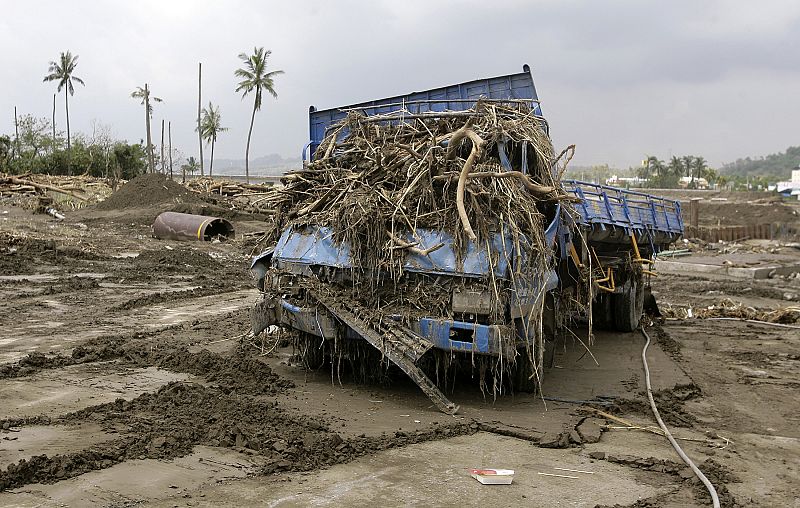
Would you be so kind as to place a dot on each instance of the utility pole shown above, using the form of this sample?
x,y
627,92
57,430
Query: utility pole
x,y
16,132
199,102
147,121
169,130
163,162
54,122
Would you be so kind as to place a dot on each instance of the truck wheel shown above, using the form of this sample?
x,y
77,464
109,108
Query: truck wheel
x,y
523,369
602,312
628,306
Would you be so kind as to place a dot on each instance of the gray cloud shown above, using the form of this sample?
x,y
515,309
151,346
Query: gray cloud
x,y
620,79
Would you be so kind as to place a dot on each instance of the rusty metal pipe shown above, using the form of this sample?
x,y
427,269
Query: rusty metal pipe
x,y
185,226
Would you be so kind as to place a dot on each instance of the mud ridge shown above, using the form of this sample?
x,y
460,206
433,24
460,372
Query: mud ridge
x,y
170,296
716,473
170,422
669,402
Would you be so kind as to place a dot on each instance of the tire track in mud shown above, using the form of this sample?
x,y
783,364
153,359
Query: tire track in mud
x,y
176,295
235,410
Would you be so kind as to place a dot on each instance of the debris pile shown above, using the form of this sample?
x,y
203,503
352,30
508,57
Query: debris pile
x,y
40,191
469,174
484,176
728,308
227,188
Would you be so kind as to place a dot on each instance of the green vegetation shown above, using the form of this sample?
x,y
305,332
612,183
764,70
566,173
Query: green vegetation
x,y
774,167
32,149
255,78
190,167
144,94
663,175
210,126
62,71
37,151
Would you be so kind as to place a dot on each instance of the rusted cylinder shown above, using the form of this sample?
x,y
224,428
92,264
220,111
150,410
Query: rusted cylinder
x,y
185,226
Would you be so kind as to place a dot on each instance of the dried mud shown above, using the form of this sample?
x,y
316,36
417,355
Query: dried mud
x,y
235,400
229,412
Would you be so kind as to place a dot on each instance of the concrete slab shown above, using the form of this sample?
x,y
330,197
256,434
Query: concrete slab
x,y
701,266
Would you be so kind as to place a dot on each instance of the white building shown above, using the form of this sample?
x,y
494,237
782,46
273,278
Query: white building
x,y
792,187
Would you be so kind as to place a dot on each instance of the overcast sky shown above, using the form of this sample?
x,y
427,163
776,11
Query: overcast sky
x,y
620,79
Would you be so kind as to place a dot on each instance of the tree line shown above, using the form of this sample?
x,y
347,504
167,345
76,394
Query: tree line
x,y
664,175
37,146
776,166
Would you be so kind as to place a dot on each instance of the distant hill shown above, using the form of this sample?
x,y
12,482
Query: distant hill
x,y
777,166
272,164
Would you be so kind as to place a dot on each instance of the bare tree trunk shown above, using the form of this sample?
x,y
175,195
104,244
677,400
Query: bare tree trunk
x,y
211,166
147,123
54,122
163,160
69,145
199,102
247,151
16,132
169,130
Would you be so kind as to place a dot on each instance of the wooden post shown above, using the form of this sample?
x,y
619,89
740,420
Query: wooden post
x,y
54,122
199,102
147,122
163,161
694,212
169,130
16,133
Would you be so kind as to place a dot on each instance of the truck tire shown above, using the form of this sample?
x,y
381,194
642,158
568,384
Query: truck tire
x,y
523,381
602,312
628,306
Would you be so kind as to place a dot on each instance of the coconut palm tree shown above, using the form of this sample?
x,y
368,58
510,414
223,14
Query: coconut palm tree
x,y
210,126
191,166
144,94
256,79
63,72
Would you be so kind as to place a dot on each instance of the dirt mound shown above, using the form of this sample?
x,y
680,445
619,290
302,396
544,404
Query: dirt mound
x,y
148,190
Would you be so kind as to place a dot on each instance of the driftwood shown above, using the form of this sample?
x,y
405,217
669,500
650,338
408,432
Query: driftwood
x,y
41,187
475,153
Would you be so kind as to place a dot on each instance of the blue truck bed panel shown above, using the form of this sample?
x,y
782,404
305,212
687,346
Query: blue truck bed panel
x,y
518,87
314,245
633,211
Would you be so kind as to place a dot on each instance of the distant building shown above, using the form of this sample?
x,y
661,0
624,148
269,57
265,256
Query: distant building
x,y
699,183
618,181
792,187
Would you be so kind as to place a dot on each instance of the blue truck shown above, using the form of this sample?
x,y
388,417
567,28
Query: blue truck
x,y
603,242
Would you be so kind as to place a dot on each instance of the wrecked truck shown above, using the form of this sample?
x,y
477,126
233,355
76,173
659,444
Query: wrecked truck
x,y
360,271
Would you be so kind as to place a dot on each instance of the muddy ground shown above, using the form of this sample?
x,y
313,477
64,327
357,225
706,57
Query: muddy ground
x,y
124,381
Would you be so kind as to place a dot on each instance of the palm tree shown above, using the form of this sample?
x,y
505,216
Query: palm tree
x,y
191,166
144,94
210,126
62,71
699,166
255,78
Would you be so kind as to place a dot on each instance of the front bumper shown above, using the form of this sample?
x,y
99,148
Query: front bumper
x,y
444,334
